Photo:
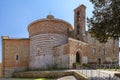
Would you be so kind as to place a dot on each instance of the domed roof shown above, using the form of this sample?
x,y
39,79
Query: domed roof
x,y
51,18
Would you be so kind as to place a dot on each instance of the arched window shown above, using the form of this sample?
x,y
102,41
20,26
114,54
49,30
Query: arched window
x,y
78,29
78,16
17,58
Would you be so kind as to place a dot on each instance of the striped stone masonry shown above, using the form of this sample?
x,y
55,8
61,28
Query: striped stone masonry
x,y
41,49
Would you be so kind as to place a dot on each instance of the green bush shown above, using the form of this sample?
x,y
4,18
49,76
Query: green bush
x,y
85,65
76,64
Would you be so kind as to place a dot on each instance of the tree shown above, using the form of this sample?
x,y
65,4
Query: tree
x,y
105,22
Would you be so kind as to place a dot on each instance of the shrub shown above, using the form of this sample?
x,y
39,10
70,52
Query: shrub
x,y
85,65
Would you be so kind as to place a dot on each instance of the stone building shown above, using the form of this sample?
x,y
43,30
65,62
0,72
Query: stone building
x,y
53,43
0,70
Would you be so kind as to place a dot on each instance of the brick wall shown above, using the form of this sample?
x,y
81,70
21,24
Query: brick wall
x,y
44,26
79,21
41,49
86,51
61,56
45,34
80,47
11,48
107,52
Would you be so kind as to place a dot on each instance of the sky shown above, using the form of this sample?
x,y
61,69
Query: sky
x,y
16,15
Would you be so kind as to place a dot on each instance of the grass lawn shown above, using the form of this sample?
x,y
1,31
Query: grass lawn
x,y
24,79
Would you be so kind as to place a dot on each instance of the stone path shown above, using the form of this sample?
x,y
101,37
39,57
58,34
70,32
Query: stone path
x,y
67,78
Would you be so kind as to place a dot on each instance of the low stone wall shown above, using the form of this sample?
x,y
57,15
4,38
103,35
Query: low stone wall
x,y
42,74
49,74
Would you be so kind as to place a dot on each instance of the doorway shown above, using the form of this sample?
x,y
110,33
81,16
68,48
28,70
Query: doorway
x,y
99,61
77,58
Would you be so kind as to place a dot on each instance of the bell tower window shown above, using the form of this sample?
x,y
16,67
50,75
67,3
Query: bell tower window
x,y
78,16
78,29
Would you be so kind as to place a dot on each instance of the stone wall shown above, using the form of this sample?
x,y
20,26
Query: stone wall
x,y
61,56
15,55
42,74
107,52
41,49
65,55
50,74
45,34
80,47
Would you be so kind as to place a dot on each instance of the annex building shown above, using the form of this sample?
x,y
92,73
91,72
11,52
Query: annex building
x,y
55,43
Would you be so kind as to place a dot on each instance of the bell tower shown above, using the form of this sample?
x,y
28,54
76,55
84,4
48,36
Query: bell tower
x,y
79,22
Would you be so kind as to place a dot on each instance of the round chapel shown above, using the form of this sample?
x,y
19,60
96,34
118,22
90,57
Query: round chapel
x,y
45,34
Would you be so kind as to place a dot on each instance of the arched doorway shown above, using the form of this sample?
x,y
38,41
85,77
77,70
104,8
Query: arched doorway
x,y
99,61
77,58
